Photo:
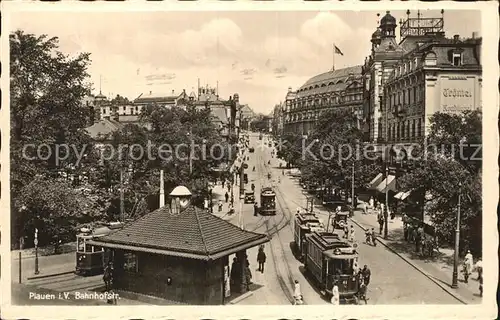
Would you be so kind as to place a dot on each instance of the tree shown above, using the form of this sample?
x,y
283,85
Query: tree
x,y
46,92
335,142
441,173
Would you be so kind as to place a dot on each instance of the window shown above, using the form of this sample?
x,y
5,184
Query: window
x,y
130,262
414,94
103,110
403,130
457,59
419,128
397,131
409,96
413,129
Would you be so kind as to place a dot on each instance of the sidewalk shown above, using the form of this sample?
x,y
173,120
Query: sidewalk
x,y
218,193
439,269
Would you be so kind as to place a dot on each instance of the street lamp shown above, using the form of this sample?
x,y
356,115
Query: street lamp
x,y
242,198
386,214
36,251
454,283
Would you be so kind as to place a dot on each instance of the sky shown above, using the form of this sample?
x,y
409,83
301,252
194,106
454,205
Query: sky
x,y
255,54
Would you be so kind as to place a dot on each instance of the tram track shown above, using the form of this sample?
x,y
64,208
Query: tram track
x,y
274,232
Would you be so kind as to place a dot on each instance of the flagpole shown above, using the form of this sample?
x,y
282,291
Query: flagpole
x,y
333,58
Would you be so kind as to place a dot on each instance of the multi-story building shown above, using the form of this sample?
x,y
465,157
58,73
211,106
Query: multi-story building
x,y
426,72
339,89
278,114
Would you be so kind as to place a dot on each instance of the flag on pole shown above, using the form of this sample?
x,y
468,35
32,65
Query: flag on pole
x,y
337,50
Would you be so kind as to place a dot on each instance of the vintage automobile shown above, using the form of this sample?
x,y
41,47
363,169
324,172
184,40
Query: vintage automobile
x,y
267,201
330,261
249,197
90,259
305,223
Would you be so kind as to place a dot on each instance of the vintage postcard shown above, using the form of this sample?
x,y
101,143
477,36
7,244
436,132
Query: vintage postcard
x,y
318,160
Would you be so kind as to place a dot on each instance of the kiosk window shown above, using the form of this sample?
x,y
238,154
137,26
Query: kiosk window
x,y
130,262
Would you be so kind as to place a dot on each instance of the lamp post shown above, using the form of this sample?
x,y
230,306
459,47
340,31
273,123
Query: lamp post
x,y
386,213
242,225
454,283
36,251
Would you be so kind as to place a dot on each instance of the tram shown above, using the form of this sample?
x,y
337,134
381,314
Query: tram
x,y
267,201
305,223
90,258
329,260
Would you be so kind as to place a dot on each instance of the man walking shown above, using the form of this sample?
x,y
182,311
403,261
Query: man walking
x,y
108,276
226,196
255,209
366,273
380,219
261,258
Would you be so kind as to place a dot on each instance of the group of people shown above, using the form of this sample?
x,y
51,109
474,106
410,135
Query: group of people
x,y
363,275
237,268
469,267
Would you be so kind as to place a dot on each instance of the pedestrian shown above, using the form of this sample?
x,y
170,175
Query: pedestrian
x,y
235,272
372,203
352,236
356,201
355,267
261,258
335,294
226,196
468,263
205,204
248,275
220,205
297,293
346,231
481,286
362,290
366,273
479,268
255,209
380,219
230,209
363,207
418,240
108,276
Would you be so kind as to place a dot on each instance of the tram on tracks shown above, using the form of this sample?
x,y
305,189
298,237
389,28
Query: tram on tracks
x,y
330,260
90,259
305,223
267,201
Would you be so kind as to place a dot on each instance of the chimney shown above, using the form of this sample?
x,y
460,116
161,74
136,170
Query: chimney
x,y
456,37
173,92
289,89
162,190
150,93
474,35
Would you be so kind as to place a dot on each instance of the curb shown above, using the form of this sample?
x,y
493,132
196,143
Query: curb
x,y
426,274
50,275
242,297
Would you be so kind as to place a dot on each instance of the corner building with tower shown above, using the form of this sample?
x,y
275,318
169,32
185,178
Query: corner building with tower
x,y
405,83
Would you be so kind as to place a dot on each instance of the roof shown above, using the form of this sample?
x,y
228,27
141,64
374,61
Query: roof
x,y
330,75
104,128
151,99
194,233
219,114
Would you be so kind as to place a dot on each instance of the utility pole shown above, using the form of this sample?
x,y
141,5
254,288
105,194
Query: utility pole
x,y
122,200
386,213
457,241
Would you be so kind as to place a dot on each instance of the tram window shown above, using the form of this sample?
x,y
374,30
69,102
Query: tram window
x,y
130,262
80,245
97,249
88,248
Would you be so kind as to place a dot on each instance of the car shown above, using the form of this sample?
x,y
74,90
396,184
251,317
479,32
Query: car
x,y
249,197
251,150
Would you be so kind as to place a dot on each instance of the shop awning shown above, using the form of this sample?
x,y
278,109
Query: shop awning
x,y
376,181
402,195
389,183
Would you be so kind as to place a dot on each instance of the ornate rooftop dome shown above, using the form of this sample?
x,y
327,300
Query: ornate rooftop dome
x,y
388,19
377,34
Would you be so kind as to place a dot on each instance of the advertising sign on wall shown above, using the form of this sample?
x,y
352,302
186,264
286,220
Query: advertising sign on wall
x,y
457,94
227,282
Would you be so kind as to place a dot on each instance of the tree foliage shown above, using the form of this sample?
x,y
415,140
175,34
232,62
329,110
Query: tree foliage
x,y
46,92
445,174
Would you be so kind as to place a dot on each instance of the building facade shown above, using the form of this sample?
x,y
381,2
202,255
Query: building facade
x,y
337,89
426,72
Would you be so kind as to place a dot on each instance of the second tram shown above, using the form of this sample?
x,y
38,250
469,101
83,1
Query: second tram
x,y
305,223
267,201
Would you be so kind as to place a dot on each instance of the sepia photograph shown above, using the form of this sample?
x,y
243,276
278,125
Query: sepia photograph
x,y
244,158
